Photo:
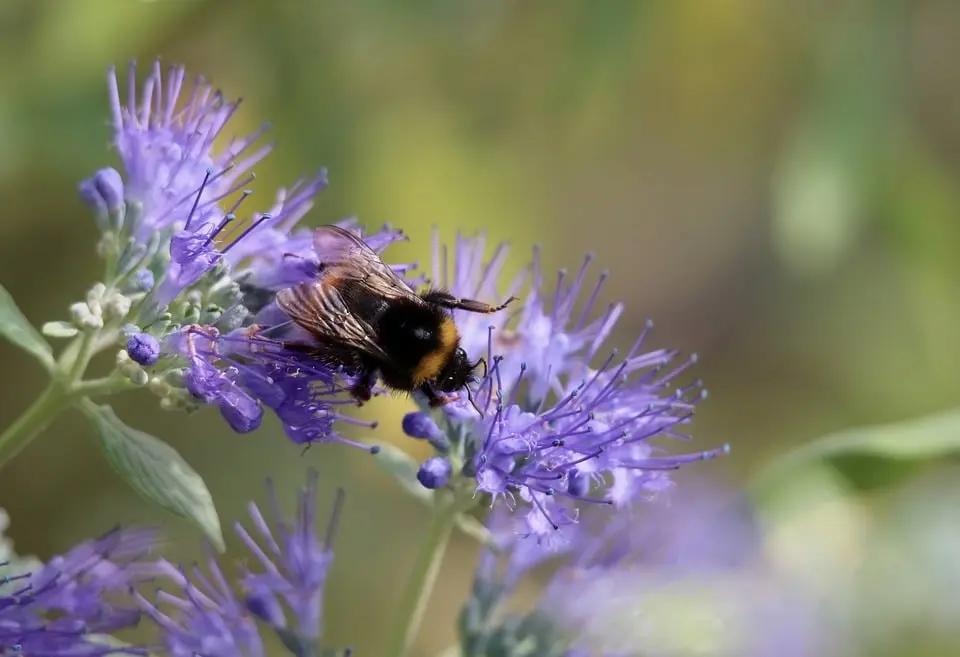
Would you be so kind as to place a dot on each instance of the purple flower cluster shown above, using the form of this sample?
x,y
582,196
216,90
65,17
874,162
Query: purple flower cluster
x,y
681,578
206,617
58,609
199,266
555,430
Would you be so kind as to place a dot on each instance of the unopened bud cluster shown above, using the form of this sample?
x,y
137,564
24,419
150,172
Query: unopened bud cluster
x,y
101,305
167,384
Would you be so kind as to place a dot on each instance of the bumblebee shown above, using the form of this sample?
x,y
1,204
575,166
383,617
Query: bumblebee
x,y
364,318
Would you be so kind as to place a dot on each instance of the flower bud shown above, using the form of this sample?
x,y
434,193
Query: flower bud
x,y
143,349
104,194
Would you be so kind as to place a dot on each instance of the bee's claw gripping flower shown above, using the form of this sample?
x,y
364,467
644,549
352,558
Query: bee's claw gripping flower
x,y
294,558
58,609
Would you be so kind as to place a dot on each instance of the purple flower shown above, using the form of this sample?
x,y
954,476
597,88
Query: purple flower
x,y
178,187
165,142
559,431
200,262
294,562
248,368
544,334
669,579
240,373
56,609
206,617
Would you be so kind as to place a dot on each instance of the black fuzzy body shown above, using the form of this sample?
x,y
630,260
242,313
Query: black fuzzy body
x,y
408,331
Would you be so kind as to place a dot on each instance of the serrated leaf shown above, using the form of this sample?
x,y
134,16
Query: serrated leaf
x,y
15,328
404,469
869,457
59,330
156,471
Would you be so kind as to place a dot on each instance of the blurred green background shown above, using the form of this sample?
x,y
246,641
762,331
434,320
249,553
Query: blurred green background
x,y
773,182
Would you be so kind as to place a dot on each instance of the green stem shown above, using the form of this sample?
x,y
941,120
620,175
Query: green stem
x,y
88,343
422,579
45,409
35,419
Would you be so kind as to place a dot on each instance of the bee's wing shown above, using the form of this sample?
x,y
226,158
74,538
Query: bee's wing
x,y
344,256
319,308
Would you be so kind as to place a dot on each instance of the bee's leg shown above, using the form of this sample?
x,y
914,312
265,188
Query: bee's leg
x,y
447,300
257,332
434,398
362,390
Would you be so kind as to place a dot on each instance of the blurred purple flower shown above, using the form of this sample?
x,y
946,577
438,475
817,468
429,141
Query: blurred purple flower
x,y
294,558
207,618
557,433
682,578
57,609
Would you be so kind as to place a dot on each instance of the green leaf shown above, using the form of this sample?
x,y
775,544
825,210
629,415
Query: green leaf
x,y
59,330
404,469
156,471
15,327
871,457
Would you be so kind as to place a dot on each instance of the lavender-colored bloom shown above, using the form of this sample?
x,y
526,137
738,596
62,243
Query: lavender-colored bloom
x,y
166,144
677,579
143,348
434,472
555,426
244,370
294,559
547,337
57,609
176,185
202,263
240,373
205,616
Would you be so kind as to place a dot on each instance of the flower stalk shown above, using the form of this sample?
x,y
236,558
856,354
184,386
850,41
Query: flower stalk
x,y
423,577
61,393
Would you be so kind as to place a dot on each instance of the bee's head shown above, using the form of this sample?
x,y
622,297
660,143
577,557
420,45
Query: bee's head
x,y
457,372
